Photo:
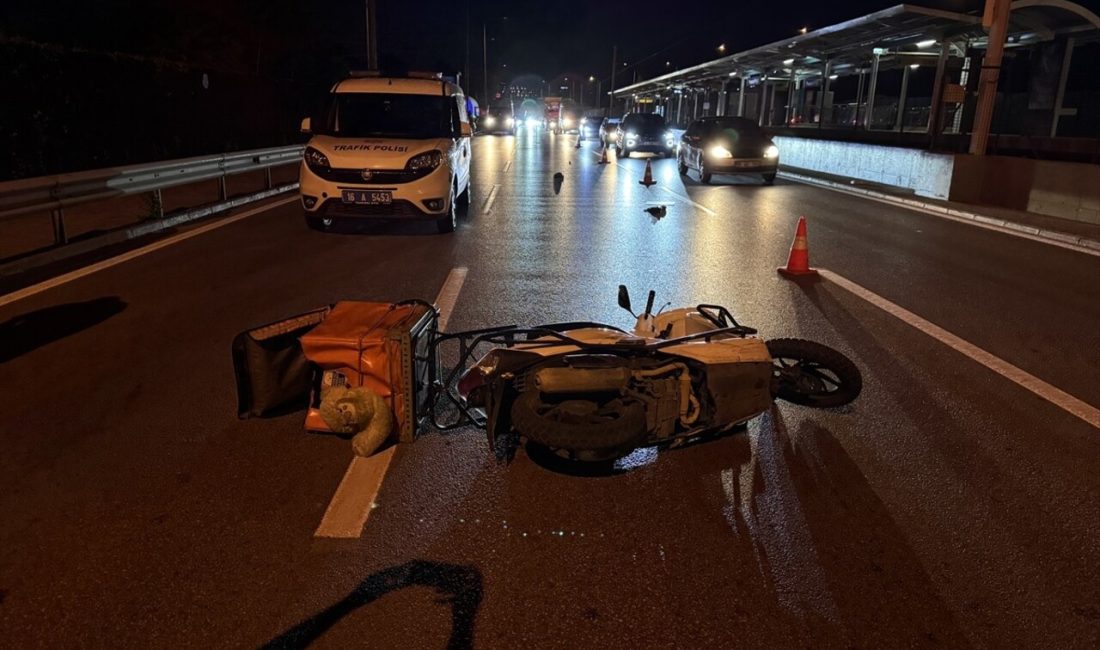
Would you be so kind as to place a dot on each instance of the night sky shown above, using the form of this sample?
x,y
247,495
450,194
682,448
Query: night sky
x,y
291,38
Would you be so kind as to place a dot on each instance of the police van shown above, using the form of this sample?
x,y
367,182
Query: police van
x,y
388,148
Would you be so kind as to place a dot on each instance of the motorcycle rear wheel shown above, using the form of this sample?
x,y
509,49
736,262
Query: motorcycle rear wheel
x,y
811,374
586,430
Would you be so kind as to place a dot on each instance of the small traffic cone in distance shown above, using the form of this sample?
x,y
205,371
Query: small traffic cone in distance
x,y
603,156
798,262
647,180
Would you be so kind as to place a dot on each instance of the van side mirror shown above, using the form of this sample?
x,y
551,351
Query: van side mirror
x,y
307,125
465,130
624,298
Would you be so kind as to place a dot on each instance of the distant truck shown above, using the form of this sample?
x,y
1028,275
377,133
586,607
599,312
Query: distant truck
x,y
552,113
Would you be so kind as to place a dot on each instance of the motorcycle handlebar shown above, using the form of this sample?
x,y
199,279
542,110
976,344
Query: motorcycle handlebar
x,y
649,302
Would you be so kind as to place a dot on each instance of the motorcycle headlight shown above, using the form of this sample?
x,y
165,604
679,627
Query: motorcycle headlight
x,y
771,152
315,159
426,160
718,151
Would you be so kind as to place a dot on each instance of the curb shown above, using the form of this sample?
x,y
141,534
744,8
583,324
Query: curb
x,y
143,229
1083,244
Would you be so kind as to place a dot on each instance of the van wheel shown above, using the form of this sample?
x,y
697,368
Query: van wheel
x,y
464,199
447,222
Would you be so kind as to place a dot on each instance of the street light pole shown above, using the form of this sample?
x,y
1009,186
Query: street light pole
x,y
614,64
372,36
996,19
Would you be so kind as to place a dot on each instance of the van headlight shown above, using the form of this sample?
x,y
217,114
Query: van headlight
x,y
771,152
509,122
315,159
718,151
426,160
489,121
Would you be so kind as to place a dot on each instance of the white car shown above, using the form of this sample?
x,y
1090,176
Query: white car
x,y
388,148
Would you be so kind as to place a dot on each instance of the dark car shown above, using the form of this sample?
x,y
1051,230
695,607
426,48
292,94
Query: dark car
x,y
728,145
498,120
590,128
644,132
608,130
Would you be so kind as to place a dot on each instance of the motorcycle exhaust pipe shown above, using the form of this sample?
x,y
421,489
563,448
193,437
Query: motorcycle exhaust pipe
x,y
581,380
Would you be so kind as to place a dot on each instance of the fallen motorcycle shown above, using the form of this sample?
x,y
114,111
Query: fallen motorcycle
x,y
593,392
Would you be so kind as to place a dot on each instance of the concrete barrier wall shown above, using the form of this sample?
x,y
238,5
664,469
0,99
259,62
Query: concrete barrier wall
x,y
1067,190
927,174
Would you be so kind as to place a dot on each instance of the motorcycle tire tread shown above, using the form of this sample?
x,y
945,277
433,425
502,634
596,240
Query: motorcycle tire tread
x,y
849,374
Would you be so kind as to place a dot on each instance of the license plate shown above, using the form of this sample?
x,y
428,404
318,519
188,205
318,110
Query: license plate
x,y
367,197
747,163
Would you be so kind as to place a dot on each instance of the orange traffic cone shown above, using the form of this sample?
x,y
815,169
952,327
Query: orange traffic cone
x,y
603,156
798,263
647,180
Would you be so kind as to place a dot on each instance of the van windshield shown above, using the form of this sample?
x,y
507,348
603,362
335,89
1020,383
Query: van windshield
x,y
382,115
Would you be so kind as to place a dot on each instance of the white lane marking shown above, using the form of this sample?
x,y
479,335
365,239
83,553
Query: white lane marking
x,y
356,495
65,278
1056,396
977,222
507,165
687,200
489,201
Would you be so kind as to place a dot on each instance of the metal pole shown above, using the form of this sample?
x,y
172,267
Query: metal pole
x,y
934,115
58,218
1067,59
859,98
372,36
899,120
869,116
821,94
466,68
741,99
996,18
614,64
791,87
484,64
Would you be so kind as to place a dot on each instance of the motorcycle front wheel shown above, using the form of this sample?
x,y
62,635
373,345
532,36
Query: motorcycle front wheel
x,y
811,374
586,430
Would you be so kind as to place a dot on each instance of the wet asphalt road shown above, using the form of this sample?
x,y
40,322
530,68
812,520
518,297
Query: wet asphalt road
x,y
947,507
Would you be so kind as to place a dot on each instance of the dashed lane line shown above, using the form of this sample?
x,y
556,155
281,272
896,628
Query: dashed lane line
x,y
356,495
1052,394
687,200
488,205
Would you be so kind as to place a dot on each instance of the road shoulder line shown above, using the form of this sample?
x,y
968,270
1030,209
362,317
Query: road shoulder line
x,y
1052,394
1050,237
66,278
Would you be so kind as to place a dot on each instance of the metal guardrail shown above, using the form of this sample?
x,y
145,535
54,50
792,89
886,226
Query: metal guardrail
x,y
55,193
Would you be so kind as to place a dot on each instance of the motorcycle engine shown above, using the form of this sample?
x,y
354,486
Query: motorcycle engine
x,y
662,400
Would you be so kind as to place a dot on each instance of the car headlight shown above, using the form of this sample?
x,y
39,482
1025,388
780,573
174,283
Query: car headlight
x,y
669,135
718,151
532,122
567,123
509,122
489,121
426,160
771,152
315,159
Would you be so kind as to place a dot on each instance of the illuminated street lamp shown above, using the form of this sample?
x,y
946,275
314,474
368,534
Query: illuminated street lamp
x,y
722,48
